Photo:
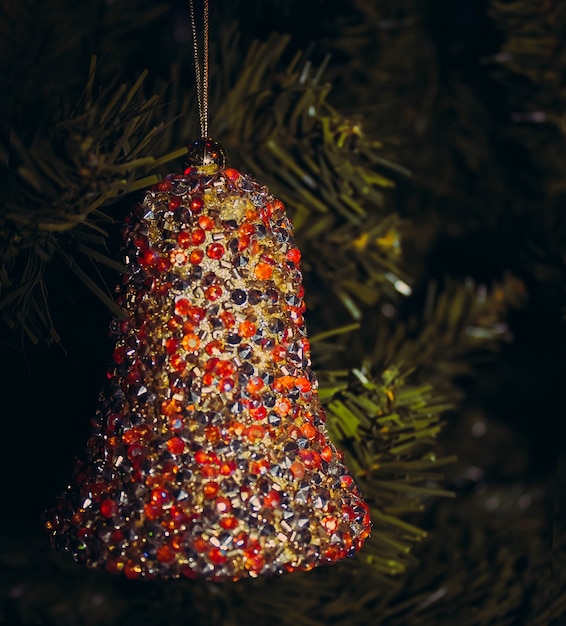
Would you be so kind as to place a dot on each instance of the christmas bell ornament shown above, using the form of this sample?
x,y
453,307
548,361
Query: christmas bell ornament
x,y
209,455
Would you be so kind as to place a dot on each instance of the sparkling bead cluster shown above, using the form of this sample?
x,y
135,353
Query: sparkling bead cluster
x,y
209,455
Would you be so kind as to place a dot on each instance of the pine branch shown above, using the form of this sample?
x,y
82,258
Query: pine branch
x,y
55,186
388,429
277,123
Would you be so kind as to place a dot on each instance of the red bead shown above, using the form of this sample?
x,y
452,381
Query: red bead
x,y
119,355
178,363
303,384
210,489
215,251
246,229
254,562
196,205
227,318
164,185
232,174
159,496
243,242
213,292
259,467
294,255
229,523
258,413
255,384
196,256
309,431
206,222
310,458
171,345
176,445
182,306
108,508
174,203
213,348
162,264
228,468
226,384
197,236
272,499
197,314
201,457
165,554
133,376
175,422
326,454
184,239
141,243
216,556
278,353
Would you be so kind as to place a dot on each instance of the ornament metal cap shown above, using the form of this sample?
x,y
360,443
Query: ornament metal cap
x,y
206,155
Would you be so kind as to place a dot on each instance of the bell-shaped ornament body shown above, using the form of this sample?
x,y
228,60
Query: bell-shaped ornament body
x,y
210,456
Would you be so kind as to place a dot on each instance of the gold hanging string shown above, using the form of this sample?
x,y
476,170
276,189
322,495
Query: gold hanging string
x,y
201,77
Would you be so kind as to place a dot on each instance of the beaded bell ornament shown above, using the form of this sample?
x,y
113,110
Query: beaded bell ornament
x,y
209,455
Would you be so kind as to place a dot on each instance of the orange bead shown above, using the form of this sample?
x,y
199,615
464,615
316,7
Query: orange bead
x,y
255,432
232,174
210,489
178,257
297,469
206,222
246,229
182,306
227,318
212,433
255,384
191,342
283,407
326,454
247,329
213,348
303,384
228,468
229,523
196,256
309,431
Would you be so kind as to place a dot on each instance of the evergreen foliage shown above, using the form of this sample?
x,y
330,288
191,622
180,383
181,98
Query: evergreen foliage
x,y
402,180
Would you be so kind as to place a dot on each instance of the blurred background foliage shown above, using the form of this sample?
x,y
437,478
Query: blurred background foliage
x,y
419,149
